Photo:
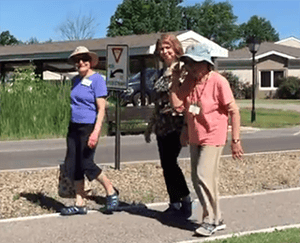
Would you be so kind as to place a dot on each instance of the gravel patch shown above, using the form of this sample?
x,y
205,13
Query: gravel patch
x,y
34,192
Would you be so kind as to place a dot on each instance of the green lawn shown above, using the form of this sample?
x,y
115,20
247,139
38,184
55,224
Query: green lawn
x,y
278,236
269,101
270,118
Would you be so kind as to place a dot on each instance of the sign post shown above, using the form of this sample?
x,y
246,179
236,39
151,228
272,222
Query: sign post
x,y
117,72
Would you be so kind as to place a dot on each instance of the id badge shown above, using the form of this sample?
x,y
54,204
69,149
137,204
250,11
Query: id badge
x,y
194,109
86,82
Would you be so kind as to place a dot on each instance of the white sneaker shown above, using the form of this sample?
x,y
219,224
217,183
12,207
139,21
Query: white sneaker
x,y
206,229
221,225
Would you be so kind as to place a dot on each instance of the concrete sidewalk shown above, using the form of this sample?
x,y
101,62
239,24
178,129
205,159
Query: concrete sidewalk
x,y
147,224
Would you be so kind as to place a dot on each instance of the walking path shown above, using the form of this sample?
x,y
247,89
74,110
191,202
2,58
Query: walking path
x,y
244,213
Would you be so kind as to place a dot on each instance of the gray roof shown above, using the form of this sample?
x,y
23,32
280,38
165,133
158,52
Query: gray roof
x,y
265,49
138,45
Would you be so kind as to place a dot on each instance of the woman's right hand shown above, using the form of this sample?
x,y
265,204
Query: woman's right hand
x,y
147,136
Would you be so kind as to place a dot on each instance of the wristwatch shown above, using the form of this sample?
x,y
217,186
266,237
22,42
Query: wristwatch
x,y
235,141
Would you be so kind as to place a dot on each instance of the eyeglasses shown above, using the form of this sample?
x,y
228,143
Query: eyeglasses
x,y
82,58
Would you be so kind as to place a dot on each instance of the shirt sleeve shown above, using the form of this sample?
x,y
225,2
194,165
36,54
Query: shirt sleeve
x,y
225,95
99,87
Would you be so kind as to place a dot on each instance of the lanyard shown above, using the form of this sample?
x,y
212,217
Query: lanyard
x,y
195,97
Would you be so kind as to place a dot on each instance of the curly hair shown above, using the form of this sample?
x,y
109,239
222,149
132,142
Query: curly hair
x,y
172,41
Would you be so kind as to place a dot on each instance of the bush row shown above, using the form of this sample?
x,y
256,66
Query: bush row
x,y
289,88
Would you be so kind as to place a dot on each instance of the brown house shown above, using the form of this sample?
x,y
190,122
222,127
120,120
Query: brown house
x,y
53,56
273,60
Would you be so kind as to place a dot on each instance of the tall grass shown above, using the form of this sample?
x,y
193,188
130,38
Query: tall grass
x,y
33,108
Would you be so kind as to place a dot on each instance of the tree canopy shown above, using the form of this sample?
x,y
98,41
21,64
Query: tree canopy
x,y
144,17
214,21
7,39
259,28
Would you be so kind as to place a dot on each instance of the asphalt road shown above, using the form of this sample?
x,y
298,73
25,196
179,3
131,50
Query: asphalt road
x,y
48,153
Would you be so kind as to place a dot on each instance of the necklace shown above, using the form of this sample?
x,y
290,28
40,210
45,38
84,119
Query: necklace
x,y
201,80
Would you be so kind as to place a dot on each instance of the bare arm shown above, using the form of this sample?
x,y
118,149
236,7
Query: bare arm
x,y
94,137
176,103
236,147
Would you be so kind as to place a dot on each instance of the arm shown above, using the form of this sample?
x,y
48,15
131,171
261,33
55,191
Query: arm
x,y
150,126
236,147
178,92
176,103
94,137
184,135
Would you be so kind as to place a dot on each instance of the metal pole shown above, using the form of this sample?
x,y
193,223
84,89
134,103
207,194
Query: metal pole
x,y
117,141
253,115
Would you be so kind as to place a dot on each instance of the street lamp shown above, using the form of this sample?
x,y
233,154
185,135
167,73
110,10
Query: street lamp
x,y
253,45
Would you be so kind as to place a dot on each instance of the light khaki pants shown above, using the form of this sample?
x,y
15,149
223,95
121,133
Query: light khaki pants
x,y
205,174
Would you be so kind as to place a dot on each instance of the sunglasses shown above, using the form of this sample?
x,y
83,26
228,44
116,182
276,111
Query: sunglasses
x,y
82,58
188,62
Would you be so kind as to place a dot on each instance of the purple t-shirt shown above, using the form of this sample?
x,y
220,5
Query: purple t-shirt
x,y
83,98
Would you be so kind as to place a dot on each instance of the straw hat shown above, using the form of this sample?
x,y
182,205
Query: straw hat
x,y
198,53
83,50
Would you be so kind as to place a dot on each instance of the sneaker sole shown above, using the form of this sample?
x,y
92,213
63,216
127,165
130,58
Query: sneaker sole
x,y
217,228
220,227
203,234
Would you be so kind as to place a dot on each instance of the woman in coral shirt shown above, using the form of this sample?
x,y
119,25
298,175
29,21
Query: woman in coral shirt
x,y
207,100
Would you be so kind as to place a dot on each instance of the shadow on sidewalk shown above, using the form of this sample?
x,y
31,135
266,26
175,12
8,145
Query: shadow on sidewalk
x,y
135,209
165,219
143,211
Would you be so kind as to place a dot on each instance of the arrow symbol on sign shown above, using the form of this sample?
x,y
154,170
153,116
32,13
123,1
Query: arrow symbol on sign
x,y
112,73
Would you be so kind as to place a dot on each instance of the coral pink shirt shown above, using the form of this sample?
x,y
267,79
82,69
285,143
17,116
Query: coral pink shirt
x,y
210,126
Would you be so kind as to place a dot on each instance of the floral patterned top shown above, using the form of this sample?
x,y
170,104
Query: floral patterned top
x,y
164,119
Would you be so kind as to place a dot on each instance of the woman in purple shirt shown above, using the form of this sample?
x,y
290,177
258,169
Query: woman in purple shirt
x,y
88,97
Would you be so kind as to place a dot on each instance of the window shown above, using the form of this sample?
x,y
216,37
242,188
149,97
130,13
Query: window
x,y
265,79
277,75
269,79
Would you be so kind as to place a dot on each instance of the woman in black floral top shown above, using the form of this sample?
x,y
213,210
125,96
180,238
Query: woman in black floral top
x,y
167,125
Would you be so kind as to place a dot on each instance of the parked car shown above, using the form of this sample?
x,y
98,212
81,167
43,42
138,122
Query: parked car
x,y
133,94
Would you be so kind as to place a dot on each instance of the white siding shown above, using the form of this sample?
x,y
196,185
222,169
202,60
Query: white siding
x,y
293,72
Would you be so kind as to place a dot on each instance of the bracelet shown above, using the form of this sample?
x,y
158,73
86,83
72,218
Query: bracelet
x,y
235,141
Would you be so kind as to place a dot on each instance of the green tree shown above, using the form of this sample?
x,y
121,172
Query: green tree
x,y
144,17
32,40
7,39
259,28
214,21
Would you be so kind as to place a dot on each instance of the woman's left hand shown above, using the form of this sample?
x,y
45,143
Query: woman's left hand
x,y
93,140
237,150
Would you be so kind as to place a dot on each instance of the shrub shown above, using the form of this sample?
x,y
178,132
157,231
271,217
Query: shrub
x,y
239,89
289,88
